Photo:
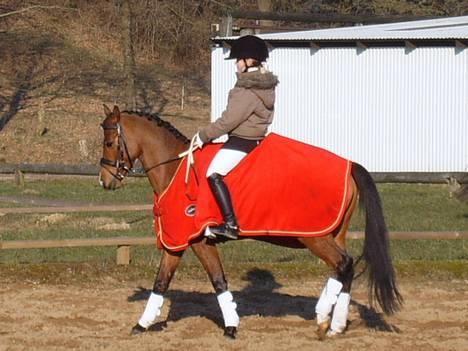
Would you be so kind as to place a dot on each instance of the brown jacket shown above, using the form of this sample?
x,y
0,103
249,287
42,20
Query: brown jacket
x,y
249,109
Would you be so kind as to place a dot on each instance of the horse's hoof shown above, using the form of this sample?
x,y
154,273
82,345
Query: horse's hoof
x,y
322,330
333,334
137,330
230,332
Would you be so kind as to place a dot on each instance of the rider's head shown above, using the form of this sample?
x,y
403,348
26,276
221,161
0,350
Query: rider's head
x,y
249,51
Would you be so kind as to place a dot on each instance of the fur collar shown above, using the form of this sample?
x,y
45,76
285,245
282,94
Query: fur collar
x,y
260,79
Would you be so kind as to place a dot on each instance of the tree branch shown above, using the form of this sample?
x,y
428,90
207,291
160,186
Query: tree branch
x,y
182,17
17,12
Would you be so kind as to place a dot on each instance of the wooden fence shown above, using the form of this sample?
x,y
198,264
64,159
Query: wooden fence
x,y
93,170
63,209
124,244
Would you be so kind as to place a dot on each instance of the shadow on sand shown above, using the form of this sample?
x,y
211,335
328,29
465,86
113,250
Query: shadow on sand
x,y
258,298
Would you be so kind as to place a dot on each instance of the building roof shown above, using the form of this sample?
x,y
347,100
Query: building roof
x,y
449,28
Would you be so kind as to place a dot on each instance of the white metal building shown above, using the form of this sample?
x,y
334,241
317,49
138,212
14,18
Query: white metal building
x,y
393,97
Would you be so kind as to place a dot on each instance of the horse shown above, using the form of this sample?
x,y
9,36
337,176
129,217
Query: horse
x,y
157,144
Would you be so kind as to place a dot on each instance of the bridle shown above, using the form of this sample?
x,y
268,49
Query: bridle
x,y
122,169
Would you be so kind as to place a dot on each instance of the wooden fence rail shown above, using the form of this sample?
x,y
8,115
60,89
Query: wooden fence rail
x,y
93,170
417,235
124,244
65,209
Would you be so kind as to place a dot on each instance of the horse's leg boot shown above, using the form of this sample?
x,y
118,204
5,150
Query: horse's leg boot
x,y
229,228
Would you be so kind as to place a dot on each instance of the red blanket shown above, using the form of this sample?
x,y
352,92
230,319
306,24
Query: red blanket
x,y
282,188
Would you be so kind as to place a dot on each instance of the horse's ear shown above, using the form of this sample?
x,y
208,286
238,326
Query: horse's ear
x,y
116,112
107,110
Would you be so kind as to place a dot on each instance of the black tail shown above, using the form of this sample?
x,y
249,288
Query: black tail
x,y
382,284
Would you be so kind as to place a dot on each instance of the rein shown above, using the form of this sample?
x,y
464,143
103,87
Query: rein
x,y
188,153
179,157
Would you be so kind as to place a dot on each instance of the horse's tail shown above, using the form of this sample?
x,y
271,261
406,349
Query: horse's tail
x,y
382,284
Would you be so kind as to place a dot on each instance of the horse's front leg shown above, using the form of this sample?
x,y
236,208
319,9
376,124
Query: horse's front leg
x,y
167,267
207,253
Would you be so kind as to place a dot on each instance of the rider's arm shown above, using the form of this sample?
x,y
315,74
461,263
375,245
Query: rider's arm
x,y
241,104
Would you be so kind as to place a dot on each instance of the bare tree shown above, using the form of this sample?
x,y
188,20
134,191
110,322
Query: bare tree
x,y
265,6
33,7
129,66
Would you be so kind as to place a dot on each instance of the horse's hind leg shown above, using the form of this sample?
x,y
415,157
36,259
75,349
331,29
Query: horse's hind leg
x,y
337,291
168,265
208,255
344,273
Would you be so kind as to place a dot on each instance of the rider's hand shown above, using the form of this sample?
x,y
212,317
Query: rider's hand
x,y
198,142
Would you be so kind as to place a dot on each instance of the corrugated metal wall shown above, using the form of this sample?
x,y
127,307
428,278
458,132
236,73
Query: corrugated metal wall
x,y
390,109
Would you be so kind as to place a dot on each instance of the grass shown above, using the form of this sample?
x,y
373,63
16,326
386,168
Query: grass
x,y
407,208
80,189
422,207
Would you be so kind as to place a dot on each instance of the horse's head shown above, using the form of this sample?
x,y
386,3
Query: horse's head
x,y
116,159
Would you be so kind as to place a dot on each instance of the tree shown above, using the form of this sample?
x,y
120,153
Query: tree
x,y
33,7
265,6
129,66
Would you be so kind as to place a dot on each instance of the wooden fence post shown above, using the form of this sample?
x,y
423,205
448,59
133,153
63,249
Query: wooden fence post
x,y
19,178
123,255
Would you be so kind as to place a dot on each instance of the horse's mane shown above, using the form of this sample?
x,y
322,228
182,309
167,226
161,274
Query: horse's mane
x,y
161,123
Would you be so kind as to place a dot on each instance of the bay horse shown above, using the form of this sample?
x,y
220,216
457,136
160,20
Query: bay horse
x,y
129,136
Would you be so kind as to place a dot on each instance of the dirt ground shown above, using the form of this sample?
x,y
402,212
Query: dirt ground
x,y
274,316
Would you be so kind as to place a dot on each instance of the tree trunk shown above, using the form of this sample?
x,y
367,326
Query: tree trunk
x,y
265,6
129,66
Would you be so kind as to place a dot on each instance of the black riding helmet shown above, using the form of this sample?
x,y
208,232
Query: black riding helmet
x,y
249,46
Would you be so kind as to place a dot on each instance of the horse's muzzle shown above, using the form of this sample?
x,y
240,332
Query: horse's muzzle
x,y
112,185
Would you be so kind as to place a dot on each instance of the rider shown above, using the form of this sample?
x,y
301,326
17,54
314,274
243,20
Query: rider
x,y
245,120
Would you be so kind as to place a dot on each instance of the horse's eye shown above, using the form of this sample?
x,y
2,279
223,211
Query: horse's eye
x,y
109,143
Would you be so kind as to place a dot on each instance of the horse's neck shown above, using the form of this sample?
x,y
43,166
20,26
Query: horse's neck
x,y
159,145
161,176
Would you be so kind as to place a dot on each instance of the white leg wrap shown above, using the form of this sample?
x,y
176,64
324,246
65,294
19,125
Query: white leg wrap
x,y
152,310
340,313
327,300
228,308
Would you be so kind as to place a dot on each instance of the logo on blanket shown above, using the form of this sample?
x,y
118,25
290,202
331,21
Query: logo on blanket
x,y
190,210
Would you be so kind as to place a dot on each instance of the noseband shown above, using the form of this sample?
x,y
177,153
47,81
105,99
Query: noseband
x,y
120,164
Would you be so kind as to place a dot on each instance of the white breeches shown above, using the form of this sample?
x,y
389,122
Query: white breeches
x,y
224,161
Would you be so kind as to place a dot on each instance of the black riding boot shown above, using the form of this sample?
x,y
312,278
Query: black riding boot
x,y
229,228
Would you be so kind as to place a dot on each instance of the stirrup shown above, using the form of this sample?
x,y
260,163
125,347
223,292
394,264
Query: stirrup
x,y
226,230
208,234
